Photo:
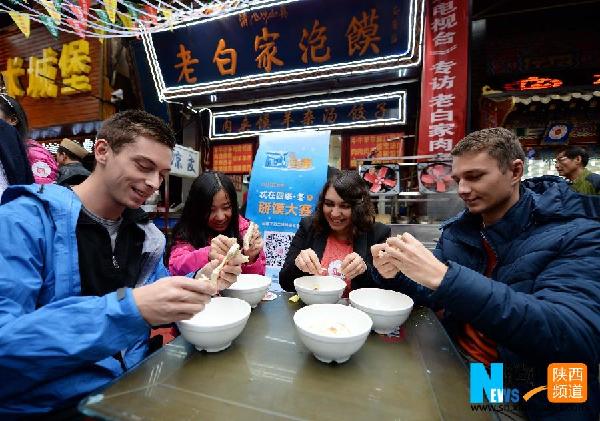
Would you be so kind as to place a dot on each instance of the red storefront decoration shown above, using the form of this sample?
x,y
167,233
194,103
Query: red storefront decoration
x,y
376,146
444,80
233,159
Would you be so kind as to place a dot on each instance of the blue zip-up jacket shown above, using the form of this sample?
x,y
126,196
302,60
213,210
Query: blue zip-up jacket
x,y
543,304
56,346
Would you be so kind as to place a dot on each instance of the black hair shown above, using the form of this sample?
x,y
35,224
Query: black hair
x,y
193,225
350,186
12,109
573,152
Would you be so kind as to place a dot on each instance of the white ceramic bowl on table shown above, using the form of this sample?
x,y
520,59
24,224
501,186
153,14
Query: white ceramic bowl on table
x,y
319,289
214,328
388,309
248,287
333,332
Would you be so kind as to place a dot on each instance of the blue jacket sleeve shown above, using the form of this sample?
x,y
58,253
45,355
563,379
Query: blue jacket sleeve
x,y
558,321
39,344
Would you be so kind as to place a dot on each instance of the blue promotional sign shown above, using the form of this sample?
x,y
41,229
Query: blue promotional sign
x,y
337,111
288,173
290,41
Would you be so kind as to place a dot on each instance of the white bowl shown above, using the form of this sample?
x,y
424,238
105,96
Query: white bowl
x,y
388,309
319,289
248,287
214,328
333,332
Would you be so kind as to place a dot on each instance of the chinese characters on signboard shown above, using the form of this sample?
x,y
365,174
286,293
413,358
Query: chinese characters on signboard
x,y
42,72
293,41
185,162
385,145
444,81
368,110
232,158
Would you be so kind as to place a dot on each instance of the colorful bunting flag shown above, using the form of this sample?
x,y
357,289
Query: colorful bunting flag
x,y
22,21
151,16
133,11
79,23
103,20
126,19
168,14
53,7
111,9
50,24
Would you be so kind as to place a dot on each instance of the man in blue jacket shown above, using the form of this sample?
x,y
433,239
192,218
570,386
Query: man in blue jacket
x,y
81,273
517,273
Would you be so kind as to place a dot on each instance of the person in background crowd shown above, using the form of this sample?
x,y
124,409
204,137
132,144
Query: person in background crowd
x,y
70,156
571,163
516,273
77,300
336,240
211,213
42,163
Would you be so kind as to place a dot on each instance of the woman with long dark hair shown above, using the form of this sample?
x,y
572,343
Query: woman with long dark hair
x,y
14,167
42,164
337,239
210,216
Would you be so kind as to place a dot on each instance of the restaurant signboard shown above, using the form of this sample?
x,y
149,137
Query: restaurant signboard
x,y
289,41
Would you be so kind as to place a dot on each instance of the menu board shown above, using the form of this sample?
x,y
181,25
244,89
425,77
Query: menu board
x,y
387,145
232,159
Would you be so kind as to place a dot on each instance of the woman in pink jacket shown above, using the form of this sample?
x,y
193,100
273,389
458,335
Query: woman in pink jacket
x,y
43,164
211,211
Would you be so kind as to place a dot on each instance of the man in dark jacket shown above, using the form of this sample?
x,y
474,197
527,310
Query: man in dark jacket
x,y
69,157
517,273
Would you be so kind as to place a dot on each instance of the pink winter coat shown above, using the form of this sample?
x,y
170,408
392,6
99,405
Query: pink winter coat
x,y
185,258
43,165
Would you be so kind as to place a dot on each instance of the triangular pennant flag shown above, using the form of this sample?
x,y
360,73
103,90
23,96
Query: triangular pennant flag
x,y
53,11
50,24
102,21
133,11
22,21
150,18
126,19
17,2
168,14
79,23
111,9
85,7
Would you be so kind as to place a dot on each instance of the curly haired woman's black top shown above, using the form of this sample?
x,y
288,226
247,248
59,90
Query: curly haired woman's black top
x,y
306,237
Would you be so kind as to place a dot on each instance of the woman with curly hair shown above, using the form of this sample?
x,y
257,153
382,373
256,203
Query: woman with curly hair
x,y
210,220
337,239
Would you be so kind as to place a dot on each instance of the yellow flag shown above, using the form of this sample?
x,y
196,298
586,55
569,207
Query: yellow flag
x,y
126,19
168,14
22,21
51,9
111,9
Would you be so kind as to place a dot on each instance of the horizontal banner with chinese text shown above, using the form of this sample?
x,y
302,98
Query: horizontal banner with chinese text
x,y
340,112
303,40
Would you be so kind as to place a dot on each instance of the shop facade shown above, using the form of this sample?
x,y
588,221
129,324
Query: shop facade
x,y
354,70
61,82
540,80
